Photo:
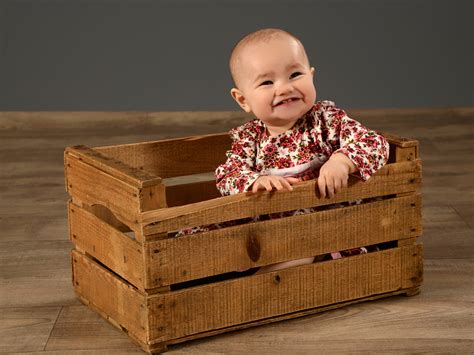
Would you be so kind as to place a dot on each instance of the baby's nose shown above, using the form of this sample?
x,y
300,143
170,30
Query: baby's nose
x,y
284,88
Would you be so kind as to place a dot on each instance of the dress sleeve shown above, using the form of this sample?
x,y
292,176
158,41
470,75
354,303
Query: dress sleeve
x,y
366,148
238,173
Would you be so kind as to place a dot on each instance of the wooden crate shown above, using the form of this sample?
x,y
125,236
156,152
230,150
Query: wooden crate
x,y
162,290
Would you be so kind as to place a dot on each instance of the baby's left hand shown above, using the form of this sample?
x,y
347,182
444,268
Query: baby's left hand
x,y
334,174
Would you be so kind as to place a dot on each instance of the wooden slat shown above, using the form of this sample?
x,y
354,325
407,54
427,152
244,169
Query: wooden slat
x,y
283,317
391,179
229,249
247,299
111,247
107,293
116,168
173,157
93,186
178,195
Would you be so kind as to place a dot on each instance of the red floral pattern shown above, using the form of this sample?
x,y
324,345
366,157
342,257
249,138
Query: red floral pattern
x,y
323,131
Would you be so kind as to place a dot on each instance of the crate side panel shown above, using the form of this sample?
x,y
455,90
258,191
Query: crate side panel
x,y
110,295
93,186
247,299
412,264
392,179
286,316
178,195
108,245
261,243
165,158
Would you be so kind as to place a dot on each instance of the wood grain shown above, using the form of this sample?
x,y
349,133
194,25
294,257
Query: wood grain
x,y
107,244
392,179
78,327
173,157
382,273
121,302
226,250
26,328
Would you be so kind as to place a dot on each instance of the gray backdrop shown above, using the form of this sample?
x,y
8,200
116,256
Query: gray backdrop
x,y
172,55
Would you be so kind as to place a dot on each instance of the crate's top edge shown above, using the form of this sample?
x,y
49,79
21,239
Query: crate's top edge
x,y
224,135
137,177
402,142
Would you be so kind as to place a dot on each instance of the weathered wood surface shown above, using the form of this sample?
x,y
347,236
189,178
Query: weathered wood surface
x,y
194,310
277,293
268,242
391,179
116,250
35,269
115,167
126,199
173,157
104,291
243,246
183,194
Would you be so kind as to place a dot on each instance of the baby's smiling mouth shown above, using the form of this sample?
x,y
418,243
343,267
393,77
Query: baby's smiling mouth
x,y
286,101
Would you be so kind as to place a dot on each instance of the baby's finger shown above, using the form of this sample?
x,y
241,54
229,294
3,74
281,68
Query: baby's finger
x,y
330,187
255,187
322,186
344,181
292,180
286,184
276,182
337,185
268,185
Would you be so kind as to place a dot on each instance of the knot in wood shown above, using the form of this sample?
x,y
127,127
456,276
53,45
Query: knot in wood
x,y
253,248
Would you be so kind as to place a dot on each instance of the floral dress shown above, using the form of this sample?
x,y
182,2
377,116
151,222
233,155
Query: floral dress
x,y
321,132
300,151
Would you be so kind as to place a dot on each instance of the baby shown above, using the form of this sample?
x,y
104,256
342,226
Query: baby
x,y
292,136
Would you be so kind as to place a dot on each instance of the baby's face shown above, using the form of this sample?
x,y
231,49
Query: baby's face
x,y
275,81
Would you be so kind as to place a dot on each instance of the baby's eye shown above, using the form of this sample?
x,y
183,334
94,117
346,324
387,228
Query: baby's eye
x,y
266,82
295,74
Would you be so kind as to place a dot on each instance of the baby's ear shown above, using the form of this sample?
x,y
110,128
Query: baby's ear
x,y
312,71
239,97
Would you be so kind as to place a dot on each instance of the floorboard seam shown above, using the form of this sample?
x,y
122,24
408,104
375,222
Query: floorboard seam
x,y
52,328
460,216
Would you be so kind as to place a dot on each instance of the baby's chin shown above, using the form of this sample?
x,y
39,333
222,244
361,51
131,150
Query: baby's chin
x,y
290,116
285,121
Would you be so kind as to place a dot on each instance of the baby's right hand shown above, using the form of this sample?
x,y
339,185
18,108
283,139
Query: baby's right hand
x,y
268,182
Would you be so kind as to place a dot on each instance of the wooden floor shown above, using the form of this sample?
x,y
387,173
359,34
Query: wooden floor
x,y
40,314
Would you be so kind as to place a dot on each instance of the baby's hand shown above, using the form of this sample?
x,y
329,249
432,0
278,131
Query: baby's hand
x,y
268,182
334,174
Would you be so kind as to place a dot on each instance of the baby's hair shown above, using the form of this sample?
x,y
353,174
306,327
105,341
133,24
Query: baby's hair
x,y
263,35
